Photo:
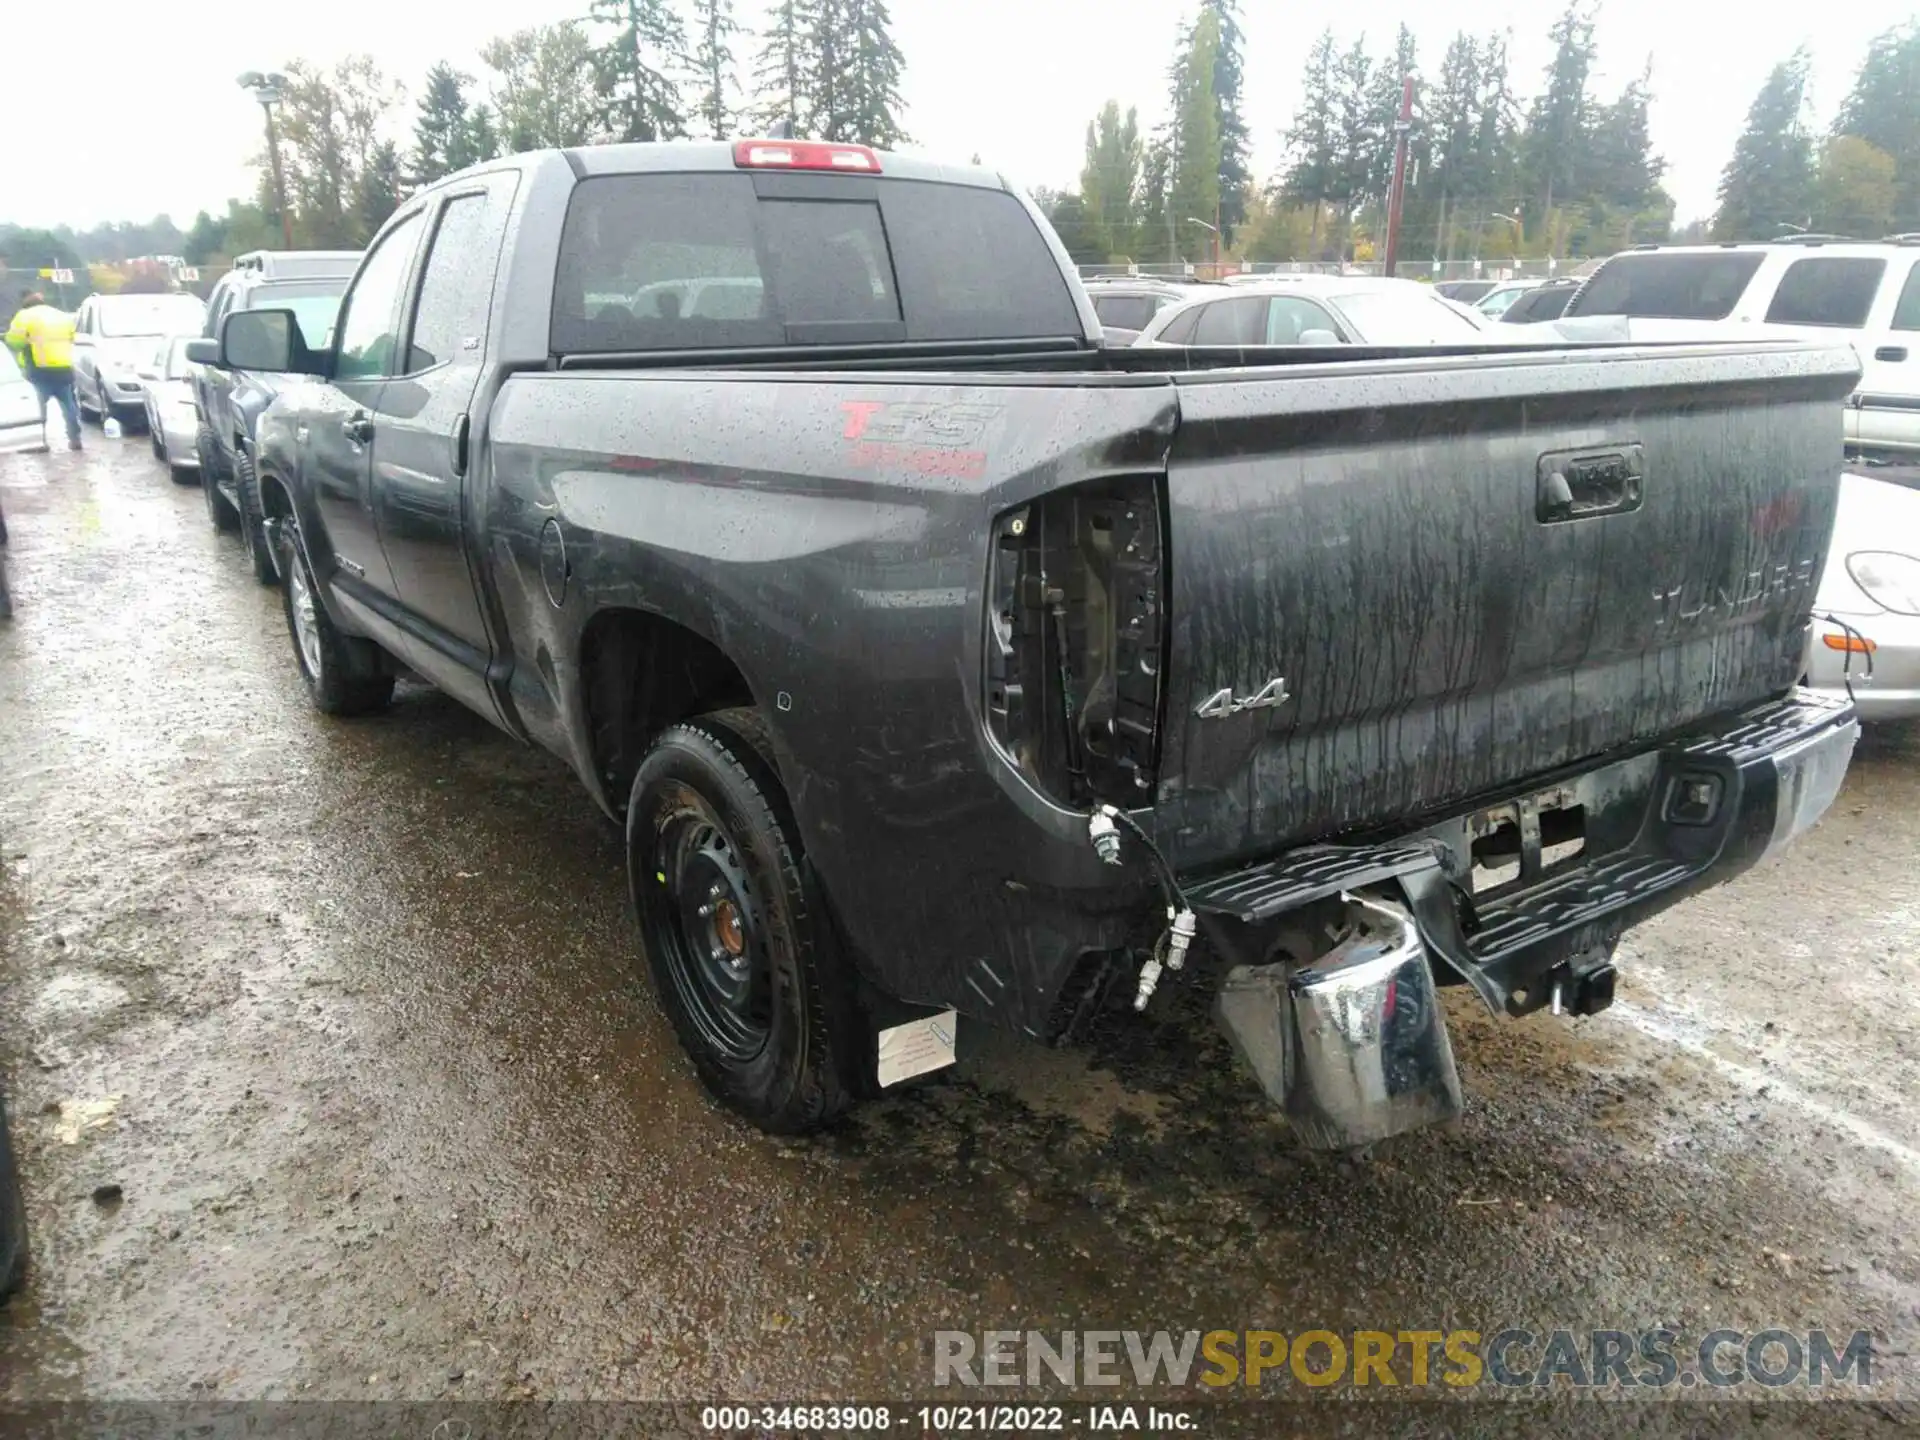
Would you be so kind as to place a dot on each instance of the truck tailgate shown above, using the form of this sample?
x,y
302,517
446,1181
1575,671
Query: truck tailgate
x,y
1465,572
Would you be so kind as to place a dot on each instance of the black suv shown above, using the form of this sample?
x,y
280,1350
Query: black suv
x,y
307,282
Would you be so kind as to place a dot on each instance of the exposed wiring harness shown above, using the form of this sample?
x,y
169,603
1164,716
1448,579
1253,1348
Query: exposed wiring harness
x,y
1170,950
1856,639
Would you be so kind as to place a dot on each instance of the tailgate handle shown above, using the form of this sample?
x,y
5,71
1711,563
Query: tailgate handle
x,y
1891,352
1583,484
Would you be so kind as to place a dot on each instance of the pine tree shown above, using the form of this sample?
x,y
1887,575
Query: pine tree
x,y
634,69
1235,145
1356,143
1157,235
381,188
1313,140
1110,179
1454,115
1883,109
714,29
781,72
441,133
1557,124
1769,181
480,140
1195,192
1621,177
870,89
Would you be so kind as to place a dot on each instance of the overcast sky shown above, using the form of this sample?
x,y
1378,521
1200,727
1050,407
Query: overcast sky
x,y
151,120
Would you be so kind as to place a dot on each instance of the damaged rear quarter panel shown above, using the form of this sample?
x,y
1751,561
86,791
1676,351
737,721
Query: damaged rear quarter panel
x,y
829,535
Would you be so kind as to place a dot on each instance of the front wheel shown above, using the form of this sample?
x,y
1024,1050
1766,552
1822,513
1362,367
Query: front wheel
x,y
253,525
220,512
344,674
744,957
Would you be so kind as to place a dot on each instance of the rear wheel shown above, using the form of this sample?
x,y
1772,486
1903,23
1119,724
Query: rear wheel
x,y
744,958
344,674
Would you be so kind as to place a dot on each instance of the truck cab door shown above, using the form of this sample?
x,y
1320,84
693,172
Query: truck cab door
x,y
335,424
426,438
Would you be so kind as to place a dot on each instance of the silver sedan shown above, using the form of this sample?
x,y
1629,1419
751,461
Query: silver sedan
x,y
166,387
1866,631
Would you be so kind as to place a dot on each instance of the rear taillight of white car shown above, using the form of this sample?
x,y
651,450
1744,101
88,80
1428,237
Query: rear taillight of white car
x,y
1075,643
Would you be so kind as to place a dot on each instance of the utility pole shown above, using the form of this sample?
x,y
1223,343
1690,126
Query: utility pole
x,y
267,89
1396,198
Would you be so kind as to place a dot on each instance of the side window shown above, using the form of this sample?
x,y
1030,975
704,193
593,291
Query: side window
x,y
1180,330
456,284
1129,312
1232,322
371,312
1906,311
83,322
1826,290
1289,317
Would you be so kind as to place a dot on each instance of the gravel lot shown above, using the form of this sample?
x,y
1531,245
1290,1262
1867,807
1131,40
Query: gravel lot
x,y
351,1015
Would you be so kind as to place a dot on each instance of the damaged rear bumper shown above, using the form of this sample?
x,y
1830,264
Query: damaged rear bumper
x,y
1654,829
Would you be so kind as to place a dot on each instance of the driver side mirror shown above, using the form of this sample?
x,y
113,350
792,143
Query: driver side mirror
x,y
202,352
265,340
1318,337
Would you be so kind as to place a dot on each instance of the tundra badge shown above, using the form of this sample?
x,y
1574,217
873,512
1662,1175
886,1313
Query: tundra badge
x,y
1221,703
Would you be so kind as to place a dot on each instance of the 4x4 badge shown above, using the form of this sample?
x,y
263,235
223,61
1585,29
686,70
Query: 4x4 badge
x,y
1221,703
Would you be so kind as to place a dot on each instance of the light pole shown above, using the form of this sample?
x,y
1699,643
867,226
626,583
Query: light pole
x,y
1196,220
267,90
1519,233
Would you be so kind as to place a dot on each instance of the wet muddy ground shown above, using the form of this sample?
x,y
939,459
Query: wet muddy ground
x,y
351,1015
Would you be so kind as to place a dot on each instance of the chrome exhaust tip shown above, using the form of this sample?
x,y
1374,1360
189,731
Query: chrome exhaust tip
x,y
1352,1048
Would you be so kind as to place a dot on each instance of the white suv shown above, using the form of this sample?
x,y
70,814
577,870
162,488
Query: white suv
x,y
1808,286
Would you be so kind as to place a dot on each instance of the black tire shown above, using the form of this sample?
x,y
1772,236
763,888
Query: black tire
x,y
13,1216
768,1016
253,526
220,512
185,474
344,674
208,449
157,442
87,415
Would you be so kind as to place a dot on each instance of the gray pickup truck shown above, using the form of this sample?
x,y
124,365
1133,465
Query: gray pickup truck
x,y
946,667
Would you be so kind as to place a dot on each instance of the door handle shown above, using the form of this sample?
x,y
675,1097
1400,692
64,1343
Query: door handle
x,y
1573,485
358,427
1891,352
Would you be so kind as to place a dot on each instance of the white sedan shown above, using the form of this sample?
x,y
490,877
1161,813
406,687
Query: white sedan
x,y
1318,310
1866,630
173,425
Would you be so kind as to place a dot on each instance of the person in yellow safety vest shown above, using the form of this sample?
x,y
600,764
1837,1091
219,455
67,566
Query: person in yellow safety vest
x,y
41,337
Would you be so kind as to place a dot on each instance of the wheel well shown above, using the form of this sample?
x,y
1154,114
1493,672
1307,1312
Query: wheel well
x,y
275,503
641,673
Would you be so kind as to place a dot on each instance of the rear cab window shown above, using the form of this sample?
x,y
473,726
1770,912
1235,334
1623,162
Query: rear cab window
x,y
1699,286
1831,290
713,260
